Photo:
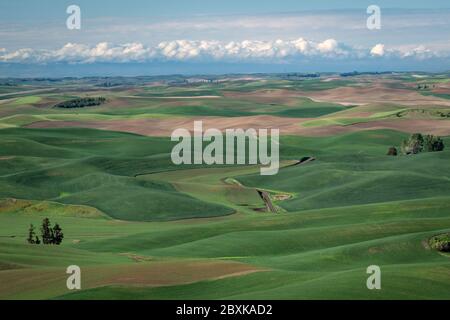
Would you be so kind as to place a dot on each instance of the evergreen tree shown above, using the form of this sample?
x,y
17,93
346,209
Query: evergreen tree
x,y
46,231
31,235
58,236
37,241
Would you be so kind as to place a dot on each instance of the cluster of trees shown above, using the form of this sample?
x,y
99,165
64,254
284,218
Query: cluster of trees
x,y
49,234
424,86
418,143
356,73
296,75
81,102
441,242
105,84
444,114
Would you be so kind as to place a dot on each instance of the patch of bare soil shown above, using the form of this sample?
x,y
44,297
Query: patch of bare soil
x,y
442,91
428,126
191,97
377,93
275,96
165,127
171,273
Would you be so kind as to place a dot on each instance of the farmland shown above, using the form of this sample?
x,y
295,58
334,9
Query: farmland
x,y
141,227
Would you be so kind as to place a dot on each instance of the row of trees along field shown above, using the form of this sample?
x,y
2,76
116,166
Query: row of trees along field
x,y
49,234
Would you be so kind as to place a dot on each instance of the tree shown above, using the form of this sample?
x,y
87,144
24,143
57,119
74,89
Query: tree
x,y
46,231
433,143
418,143
31,235
392,151
50,235
414,144
58,236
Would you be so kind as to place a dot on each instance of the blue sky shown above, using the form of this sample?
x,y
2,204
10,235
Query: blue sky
x,y
174,36
51,9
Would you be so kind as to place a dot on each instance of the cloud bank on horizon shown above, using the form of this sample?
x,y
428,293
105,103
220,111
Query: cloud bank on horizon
x,y
277,51
211,36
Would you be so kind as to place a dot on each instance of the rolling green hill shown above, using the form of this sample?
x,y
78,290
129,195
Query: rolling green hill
x,y
352,207
95,168
142,228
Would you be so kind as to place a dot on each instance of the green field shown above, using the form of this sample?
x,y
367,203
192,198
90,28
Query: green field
x,y
141,227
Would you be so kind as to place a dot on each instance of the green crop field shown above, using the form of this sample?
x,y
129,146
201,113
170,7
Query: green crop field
x,y
141,227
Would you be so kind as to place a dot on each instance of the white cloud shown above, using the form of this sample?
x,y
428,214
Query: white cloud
x,y
415,52
421,53
210,50
328,45
400,28
378,50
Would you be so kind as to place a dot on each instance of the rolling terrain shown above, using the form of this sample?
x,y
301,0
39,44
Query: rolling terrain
x,y
141,227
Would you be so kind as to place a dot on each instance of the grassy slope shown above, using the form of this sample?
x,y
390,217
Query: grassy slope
x,y
95,168
312,254
319,248
343,178
307,254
